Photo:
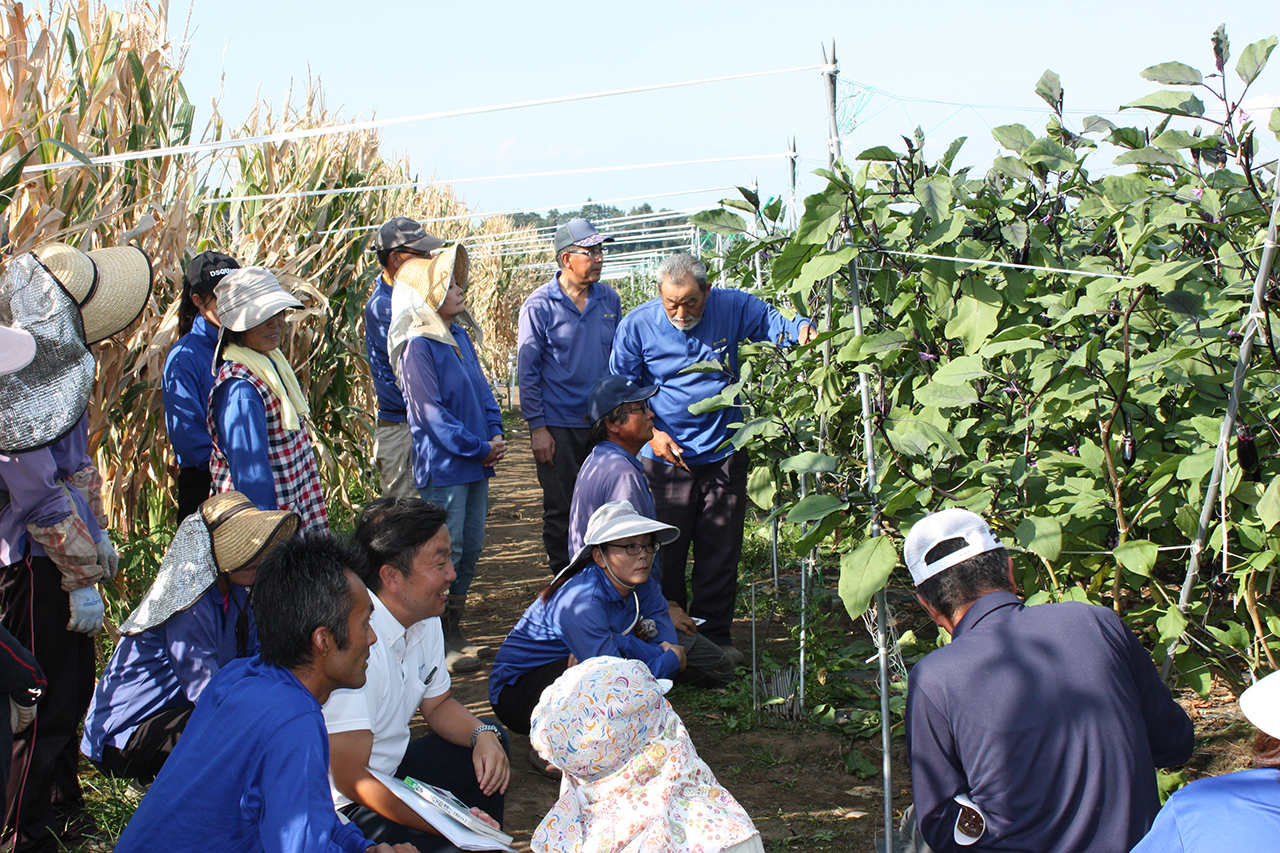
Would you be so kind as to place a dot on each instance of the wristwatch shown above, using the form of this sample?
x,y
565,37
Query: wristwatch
x,y
487,727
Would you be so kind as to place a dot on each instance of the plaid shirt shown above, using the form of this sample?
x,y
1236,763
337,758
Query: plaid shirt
x,y
297,477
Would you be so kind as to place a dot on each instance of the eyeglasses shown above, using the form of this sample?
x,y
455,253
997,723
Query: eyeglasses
x,y
634,550
622,413
593,252
414,252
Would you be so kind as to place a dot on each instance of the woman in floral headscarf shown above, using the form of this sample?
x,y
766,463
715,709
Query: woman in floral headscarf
x,y
632,780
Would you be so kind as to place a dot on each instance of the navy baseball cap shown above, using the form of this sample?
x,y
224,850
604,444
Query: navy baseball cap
x,y
578,232
611,391
401,232
207,269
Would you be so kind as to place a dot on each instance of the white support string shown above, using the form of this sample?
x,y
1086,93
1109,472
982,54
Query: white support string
x,y
567,206
373,124
422,185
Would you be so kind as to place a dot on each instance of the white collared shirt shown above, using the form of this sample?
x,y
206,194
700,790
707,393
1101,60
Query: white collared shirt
x,y
405,667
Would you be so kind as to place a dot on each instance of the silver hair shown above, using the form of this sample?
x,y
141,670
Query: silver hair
x,y
681,266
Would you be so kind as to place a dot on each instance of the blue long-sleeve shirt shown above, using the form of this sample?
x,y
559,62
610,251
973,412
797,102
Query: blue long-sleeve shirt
x,y
452,412
377,319
241,417
1052,719
1232,812
188,379
250,773
648,350
609,473
166,667
586,618
562,351
37,497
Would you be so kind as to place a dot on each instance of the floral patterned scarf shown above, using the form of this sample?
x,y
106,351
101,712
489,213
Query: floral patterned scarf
x,y
632,780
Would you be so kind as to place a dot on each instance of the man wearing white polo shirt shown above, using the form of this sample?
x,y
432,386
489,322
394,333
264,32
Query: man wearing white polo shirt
x,y
408,574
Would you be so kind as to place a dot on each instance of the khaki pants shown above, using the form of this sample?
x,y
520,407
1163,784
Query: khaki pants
x,y
393,454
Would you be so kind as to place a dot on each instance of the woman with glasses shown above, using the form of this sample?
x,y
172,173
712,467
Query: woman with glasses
x,y
605,602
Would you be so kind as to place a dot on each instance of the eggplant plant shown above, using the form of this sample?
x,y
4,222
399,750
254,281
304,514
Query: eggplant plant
x,y
1048,347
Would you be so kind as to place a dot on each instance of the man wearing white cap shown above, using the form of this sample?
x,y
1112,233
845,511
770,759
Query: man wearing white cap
x,y
566,335
1035,728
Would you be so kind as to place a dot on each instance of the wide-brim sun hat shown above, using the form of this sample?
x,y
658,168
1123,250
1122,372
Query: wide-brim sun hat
x,y
249,297
241,532
619,520
208,543
17,349
416,276
953,523
72,267
124,286
45,399
1261,704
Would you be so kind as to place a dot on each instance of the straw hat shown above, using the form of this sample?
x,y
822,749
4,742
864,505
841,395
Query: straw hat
x,y
250,296
241,532
72,267
227,534
453,264
17,349
45,399
122,291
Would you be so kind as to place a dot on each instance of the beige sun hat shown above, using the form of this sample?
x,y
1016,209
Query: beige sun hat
x,y
122,291
250,296
17,349
72,267
226,535
241,532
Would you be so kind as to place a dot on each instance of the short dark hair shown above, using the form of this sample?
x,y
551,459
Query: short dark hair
x,y
599,432
391,530
966,582
384,255
302,585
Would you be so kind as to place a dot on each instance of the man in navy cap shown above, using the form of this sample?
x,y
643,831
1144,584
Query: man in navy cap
x,y
621,424
566,334
399,239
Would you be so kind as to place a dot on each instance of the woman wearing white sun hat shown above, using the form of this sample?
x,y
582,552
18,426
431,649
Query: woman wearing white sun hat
x,y
257,412
54,547
1238,812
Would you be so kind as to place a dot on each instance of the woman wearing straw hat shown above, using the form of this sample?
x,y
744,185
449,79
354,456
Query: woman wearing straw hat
x,y
257,412
605,602
632,780
453,417
188,377
194,620
1236,811
53,539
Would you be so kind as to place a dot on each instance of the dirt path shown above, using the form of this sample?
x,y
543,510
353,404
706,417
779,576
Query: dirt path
x,y
791,781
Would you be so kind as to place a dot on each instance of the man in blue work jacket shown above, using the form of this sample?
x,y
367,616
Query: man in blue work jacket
x,y
699,485
399,239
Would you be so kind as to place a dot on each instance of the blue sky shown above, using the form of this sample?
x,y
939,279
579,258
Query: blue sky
x,y
392,58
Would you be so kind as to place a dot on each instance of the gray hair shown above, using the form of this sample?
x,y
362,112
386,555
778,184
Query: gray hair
x,y
681,266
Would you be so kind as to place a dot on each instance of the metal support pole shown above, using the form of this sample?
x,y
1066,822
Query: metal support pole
x,y
868,439
1251,329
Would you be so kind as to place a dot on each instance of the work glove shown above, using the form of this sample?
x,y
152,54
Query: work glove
x,y
87,611
20,716
107,557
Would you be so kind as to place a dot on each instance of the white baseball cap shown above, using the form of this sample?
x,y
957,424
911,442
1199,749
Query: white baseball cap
x,y
953,523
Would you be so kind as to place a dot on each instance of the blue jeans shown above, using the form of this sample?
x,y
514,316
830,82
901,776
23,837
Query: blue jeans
x,y
467,505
